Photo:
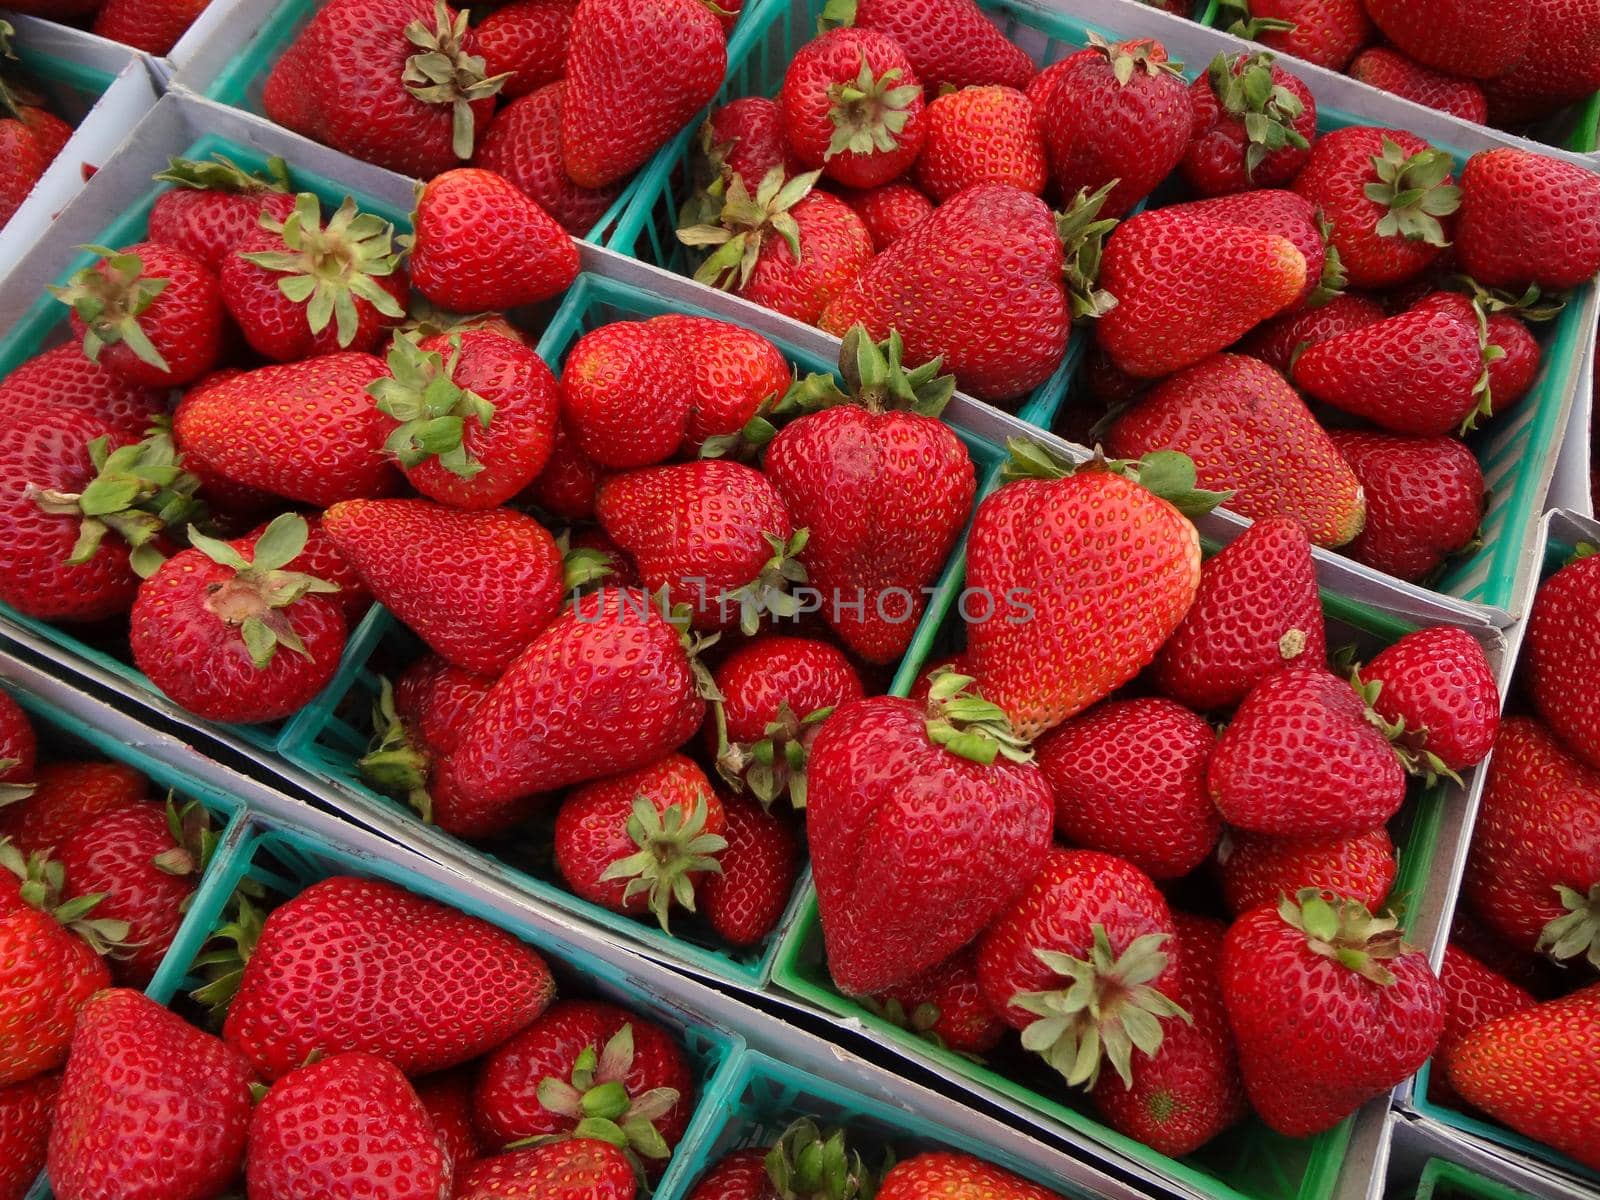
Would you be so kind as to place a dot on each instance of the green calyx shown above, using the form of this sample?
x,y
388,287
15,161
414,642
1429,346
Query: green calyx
x,y
1345,932
10,792
223,961
109,298
1577,932
255,601
1168,474
808,1164
1110,1009
870,112
596,1097
396,765
221,174
327,268
769,591
421,393
776,763
442,72
43,882
1410,745
673,847
1245,89
1243,25
745,223
966,724
137,492
1133,57
1082,233
1413,190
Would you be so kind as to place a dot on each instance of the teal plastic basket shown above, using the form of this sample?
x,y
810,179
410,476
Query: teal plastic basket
x,y
334,731
1444,1180
45,324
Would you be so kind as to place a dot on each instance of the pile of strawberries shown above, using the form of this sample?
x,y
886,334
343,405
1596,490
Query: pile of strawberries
x,y
153,26
30,134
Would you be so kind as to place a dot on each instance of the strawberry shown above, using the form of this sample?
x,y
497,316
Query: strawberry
x,y
608,671
1253,125
208,626
1277,341
1558,655
398,83
804,1162
1385,194
1526,218
1513,372
1001,333
1329,1007
25,1133
298,288
62,378
1394,72
526,41
1544,82
888,211
1186,287
1533,874
951,43
524,146
1129,778
1437,693
945,1005
982,135
67,797
348,1125
1474,995
625,394
1081,963
1325,32
1301,760
580,1169
19,749
1474,38
902,873
1191,1092
1529,1068
745,900
437,987
1257,610
1257,870
1071,616
625,1078
782,245
322,560
1289,215
744,138
1434,377
149,1106
734,372
944,1173
852,106
215,205
623,107
882,487
1119,116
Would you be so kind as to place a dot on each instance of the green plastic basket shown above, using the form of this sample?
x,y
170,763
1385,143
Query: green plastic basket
x,y
334,731
45,324
1445,1180
1247,1163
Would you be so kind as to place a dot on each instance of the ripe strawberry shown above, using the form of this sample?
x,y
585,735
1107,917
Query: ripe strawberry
x,y
1186,287
1474,995
1526,218
351,1125
1559,658
1329,1007
745,138
1253,125
902,878
1393,232
1533,874
629,106
1436,691
1425,497
149,1106
1325,32
1276,342
527,41
1072,616
1120,116
1129,778
1542,83
580,1169
398,83
945,1005
1460,37
215,205
1276,210
30,142
1081,964
297,288
625,394
982,135
437,987
1529,1069
588,1059
25,1132
734,372
322,560
524,146
1394,72
951,43
1301,760
610,671
943,1173
852,106
66,797
745,900
62,378
307,431
888,211
1257,870
1513,373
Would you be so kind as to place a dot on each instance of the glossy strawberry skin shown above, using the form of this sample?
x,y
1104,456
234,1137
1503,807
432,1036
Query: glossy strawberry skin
x,y
1392,71
982,135
1460,37
1214,161
949,42
835,248
746,900
529,39
46,974
184,322
733,370
1256,869
946,1004
211,224
68,796
524,145
1560,658
827,63
25,1110
888,211
62,378
625,394
1276,341
1438,682
1473,995
1129,778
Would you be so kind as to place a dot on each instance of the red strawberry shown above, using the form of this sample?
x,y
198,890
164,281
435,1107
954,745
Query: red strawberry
x,y
951,43
437,988
1276,342
734,373
235,639
1559,657
1394,72
25,1133
945,1004
216,205
746,899
1425,497
942,1173
526,40
1542,83
1118,115
524,146
1526,218
1259,870
1325,32
1129,778
630,107
1301,760
1329,1007
1475,38
903,879
580,1169
1474,995
66,797
588,1059
625,394
1394,231
888,211
350,1125
1289,215
1513,373
982,135
153,312
321,559
565,489
745,138
852,106
1253,125
1435,689
62,378
1081,963
149,1106
1257,610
